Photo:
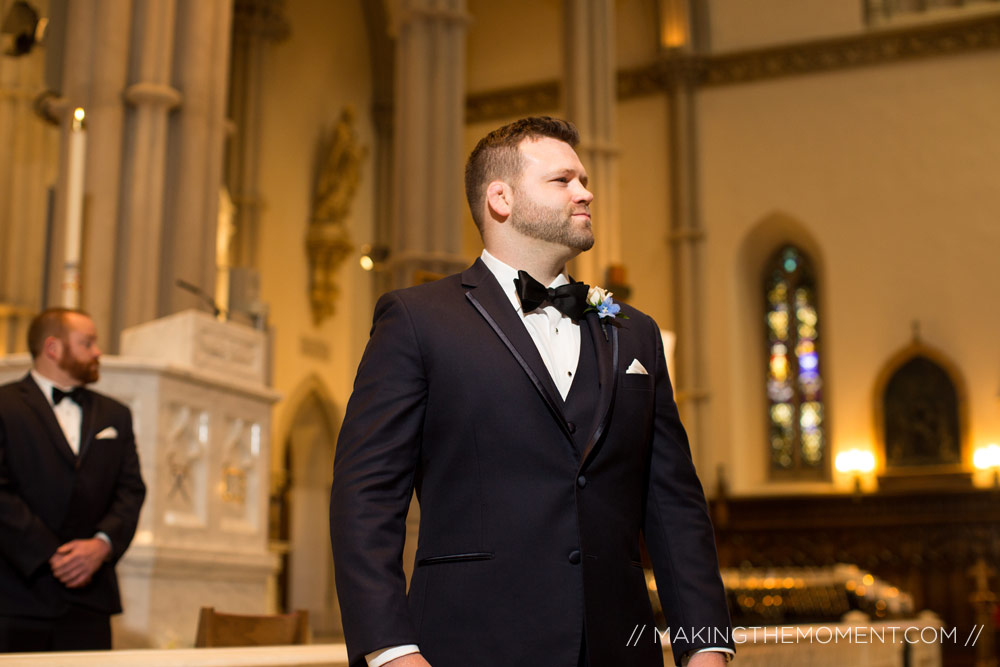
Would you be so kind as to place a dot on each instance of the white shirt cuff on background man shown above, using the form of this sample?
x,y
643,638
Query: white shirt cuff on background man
x,y
382,656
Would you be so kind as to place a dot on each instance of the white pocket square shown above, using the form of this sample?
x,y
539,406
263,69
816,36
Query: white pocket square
x,y
635,368
107,434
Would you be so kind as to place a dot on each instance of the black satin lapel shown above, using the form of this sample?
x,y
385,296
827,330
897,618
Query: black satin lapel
x,y
607,369
504,321
491,296
40,406
87,426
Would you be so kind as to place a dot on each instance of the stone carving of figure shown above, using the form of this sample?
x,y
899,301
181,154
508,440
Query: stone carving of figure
x,y
328,242
340,174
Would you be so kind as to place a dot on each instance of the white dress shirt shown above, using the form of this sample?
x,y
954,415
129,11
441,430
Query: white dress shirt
x,y
556,336
69,414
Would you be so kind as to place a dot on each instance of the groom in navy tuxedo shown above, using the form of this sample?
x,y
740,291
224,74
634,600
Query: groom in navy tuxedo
x,y
70,493
537,424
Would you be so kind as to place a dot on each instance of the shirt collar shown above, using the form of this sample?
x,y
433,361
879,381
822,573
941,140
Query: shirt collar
x,y
505,275
46,385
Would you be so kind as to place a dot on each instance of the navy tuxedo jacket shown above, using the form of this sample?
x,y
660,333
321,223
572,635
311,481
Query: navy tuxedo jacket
x,y
529,534
49,496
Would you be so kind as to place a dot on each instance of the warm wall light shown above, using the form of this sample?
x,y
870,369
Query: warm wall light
x,y
673,23
373,256
988,458
856,462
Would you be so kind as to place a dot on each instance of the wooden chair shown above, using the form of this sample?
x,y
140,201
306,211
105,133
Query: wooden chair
x,y
219,630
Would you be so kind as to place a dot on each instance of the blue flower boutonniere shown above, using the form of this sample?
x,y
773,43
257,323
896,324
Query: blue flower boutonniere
x,y
599,301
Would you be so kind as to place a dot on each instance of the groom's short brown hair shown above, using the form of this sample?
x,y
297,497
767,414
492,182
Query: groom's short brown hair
x,y
48,323
496,156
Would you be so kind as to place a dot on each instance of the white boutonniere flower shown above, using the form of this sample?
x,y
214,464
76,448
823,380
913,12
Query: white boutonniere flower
x,y
599,301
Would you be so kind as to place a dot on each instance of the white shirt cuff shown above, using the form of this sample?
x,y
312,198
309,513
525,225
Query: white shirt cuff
x,y
103,536
382,656
730,653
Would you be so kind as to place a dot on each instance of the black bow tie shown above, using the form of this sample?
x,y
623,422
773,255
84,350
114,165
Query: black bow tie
x,y
570,300
73,394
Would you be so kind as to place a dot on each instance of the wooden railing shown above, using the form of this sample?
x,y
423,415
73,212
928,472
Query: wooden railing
x,y
925,542
859,644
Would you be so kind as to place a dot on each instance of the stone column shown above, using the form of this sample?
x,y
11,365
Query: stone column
x,y
430,108
256,23
194,162
382,51
152,176
94,75
105,123
686,235
26,171
151,97
590,98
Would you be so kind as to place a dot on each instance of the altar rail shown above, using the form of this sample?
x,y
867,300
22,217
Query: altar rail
x,y
926,542
313,655
857,643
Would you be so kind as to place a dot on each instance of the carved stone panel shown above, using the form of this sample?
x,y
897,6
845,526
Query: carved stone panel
x,y
187,439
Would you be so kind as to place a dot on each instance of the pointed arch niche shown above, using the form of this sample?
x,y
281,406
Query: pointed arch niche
x,y
300,518
782,351
921,419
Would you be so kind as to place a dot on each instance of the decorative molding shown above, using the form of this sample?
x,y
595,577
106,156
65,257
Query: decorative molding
x,y
153,94
873,48
661,76
184,477
513,102
260,18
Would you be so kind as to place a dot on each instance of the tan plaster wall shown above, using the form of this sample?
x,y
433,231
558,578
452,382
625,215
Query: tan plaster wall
x,y
308,80
737,24
637,36
892,172
513,43
644,205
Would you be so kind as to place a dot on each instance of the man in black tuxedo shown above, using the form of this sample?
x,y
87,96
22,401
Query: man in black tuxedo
x,y
538,427
70,493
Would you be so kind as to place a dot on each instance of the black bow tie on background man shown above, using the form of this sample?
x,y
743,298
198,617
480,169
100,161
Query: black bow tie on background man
x,y
74,394
570,300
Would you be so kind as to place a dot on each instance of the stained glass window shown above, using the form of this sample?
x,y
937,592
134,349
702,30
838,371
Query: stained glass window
x,y
796,419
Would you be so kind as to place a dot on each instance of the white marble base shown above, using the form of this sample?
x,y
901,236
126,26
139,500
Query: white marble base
x,y
195,339
163,589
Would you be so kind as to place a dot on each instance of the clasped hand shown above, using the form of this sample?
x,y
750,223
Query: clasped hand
x,y
75,562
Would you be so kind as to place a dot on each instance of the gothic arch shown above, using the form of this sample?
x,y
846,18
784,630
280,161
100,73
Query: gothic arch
x,y
758,246
309,439
937,362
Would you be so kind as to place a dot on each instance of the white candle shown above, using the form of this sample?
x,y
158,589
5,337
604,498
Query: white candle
x,y
74,210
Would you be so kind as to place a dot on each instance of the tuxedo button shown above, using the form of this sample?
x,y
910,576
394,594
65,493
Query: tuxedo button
x,y
574,557
581,481
571,426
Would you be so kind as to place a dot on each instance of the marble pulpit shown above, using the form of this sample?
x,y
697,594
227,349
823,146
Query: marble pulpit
x,y
202,418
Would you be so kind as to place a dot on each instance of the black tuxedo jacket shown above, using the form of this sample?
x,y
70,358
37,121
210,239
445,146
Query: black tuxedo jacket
x,y
49,496
527,539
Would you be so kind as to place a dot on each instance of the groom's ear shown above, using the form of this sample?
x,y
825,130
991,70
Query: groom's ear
x,y
499,197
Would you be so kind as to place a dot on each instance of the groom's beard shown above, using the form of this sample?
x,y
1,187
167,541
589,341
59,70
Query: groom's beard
x,y
555,225
84,372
